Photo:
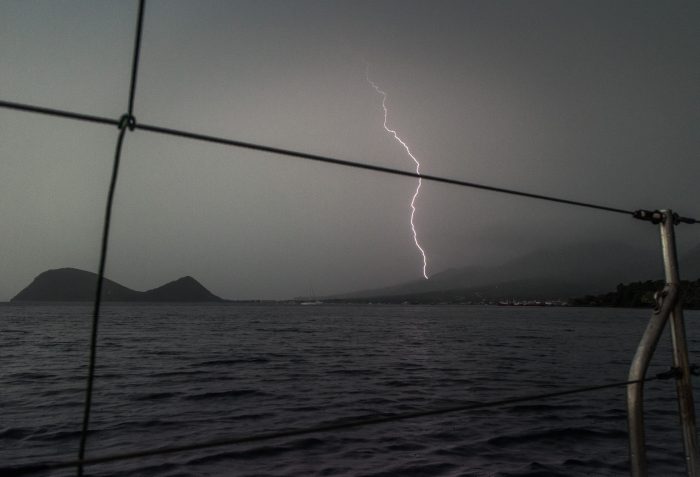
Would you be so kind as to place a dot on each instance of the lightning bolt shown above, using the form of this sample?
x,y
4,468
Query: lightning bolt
x,y
408,151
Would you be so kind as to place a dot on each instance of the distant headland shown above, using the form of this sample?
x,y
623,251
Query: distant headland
x,y
73,285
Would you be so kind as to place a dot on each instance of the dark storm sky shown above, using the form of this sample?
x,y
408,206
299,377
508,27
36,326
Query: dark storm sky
x,y
589,100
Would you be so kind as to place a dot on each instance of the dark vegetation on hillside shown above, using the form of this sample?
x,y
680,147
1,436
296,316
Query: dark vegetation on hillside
x,y
640,295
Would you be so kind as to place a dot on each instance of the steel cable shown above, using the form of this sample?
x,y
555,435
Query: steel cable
x,y
127,121
58,112
371,167
135,61
98,300
313,157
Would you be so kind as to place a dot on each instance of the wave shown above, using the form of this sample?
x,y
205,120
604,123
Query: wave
x,y
534,469
229,361
556,434
25,375
303,444
14,433
168,374
155,396
528,408
356,372
233,393
58,435
418,470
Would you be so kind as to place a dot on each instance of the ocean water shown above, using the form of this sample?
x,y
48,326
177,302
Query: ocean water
x,y
176,374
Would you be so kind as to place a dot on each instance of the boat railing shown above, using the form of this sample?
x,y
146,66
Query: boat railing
x,y
668,307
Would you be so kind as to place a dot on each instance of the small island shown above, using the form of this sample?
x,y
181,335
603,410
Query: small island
x,y
74,285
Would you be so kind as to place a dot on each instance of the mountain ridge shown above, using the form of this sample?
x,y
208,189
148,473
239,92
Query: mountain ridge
x,y
75,285
557,272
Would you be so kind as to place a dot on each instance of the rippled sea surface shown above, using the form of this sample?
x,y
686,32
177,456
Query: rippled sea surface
x,y
170,375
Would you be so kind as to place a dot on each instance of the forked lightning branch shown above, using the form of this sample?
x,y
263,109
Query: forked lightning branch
x,y
408,151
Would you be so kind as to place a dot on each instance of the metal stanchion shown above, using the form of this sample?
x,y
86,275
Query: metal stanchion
x,y
669,306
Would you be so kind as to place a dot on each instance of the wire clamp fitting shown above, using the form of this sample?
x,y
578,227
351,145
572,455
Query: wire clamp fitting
x,y
127,121
653,216
673,373
659,298
656,217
